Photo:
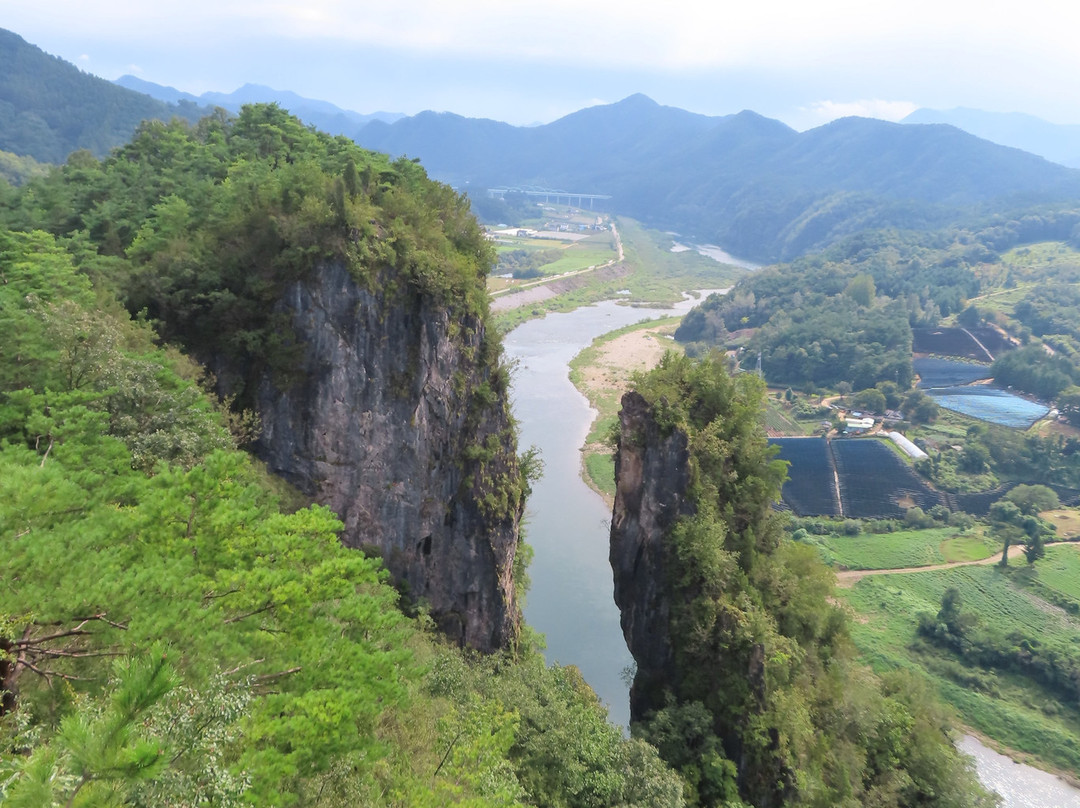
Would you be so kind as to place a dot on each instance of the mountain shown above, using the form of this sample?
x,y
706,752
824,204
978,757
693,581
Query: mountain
x,y
320,114
1059,143
49,108
751,184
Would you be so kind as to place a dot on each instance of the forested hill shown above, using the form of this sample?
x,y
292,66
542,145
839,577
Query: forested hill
x,y
751,184
49,108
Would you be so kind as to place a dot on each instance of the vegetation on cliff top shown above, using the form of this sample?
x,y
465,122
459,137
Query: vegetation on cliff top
x,y
768,704
176,628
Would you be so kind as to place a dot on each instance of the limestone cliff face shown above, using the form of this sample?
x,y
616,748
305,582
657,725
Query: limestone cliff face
x,y
651,473
396,420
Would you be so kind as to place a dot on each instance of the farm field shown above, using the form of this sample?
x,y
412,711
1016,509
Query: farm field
x,y
934,372
778,421
809,489
1014,710
904,548
876,483
649,274
990,404
555,255
951,341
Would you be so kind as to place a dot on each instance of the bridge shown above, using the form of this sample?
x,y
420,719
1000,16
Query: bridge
x,y
549,195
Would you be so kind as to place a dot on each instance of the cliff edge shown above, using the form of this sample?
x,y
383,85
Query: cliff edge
x,y
399,424
652,476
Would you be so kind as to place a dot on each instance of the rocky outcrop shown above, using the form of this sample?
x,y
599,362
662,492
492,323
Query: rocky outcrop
x,y
652,475
397,419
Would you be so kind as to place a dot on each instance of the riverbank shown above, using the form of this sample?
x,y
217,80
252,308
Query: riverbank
x,y
604,371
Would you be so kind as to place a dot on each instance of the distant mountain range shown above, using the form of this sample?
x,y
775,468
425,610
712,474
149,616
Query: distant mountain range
x,y
750,184
753,185
1059,143
321,114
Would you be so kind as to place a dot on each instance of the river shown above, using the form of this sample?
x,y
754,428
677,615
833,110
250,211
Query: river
x,y
570,600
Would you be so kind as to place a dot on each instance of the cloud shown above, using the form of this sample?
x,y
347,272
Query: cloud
x,y
822,112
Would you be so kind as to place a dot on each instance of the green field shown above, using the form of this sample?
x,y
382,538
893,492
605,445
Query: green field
x,y
649,274
906,548
1013,710
569,256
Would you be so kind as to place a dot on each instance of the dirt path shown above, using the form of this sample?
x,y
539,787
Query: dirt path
x,y
846,579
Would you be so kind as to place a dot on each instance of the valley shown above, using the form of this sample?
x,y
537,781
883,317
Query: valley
x,y
326,482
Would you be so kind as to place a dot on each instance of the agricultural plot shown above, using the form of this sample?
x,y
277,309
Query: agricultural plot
x,y
946,342
990,404
902,549
948,372
995,342
809,489
1014,710
875,483
958,342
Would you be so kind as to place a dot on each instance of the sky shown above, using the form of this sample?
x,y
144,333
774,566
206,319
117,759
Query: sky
x,y
802,61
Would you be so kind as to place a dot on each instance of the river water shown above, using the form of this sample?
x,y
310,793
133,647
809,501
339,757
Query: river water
x,y
570,600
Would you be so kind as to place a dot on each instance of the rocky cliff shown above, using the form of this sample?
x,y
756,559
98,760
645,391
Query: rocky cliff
x,y
652,475
397,420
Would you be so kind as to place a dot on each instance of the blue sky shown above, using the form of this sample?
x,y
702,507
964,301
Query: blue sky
x,y
802,62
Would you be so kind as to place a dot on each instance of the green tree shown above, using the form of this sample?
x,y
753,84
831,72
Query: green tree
x,y
919,408
101,751
1033,499
870,399
861,289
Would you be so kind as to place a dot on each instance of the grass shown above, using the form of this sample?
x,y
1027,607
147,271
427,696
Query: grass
x,y
1066,520
906,548
1012,710
600,468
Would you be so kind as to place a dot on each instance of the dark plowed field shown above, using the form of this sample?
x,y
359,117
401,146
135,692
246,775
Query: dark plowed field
x,y
875,483
955,342
809,490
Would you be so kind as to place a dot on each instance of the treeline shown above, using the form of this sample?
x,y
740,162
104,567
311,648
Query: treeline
x,y
176,627
524,264
766,704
